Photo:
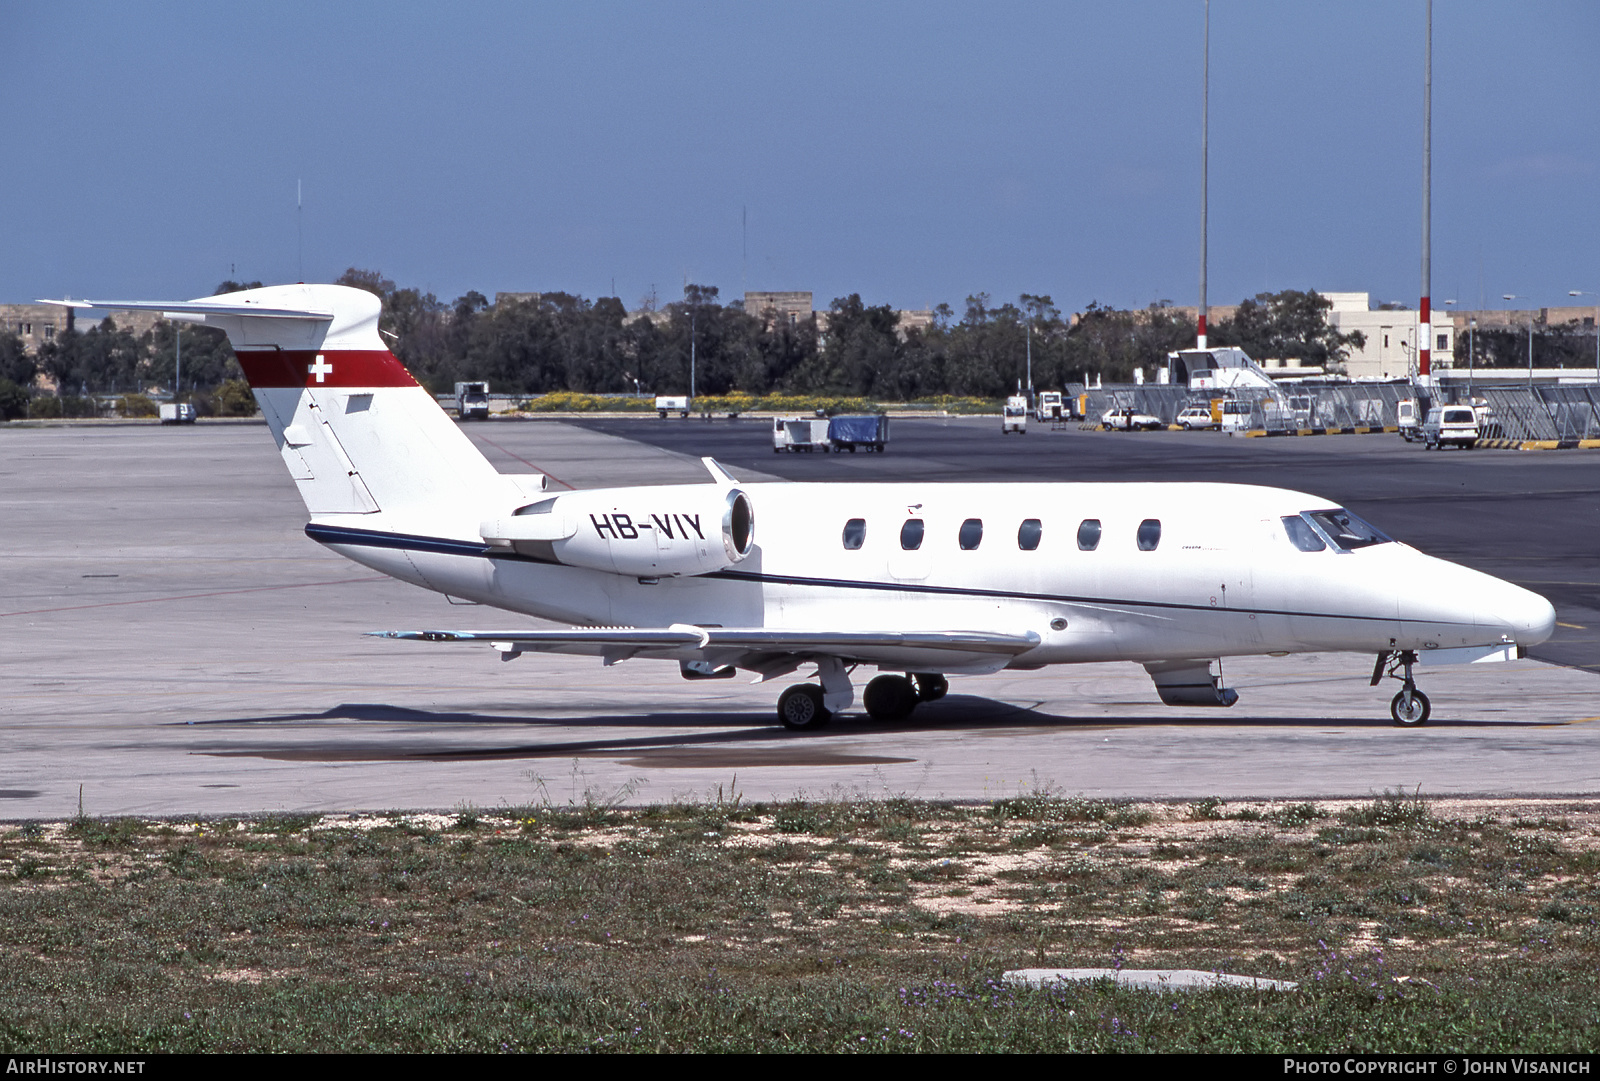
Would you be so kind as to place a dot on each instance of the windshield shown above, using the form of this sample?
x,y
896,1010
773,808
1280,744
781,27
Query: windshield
x,y
1345,531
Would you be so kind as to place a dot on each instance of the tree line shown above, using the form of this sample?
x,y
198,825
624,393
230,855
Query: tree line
x,y
566,342
561,341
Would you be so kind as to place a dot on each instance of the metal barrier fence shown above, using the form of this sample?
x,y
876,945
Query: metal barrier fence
x,y
1543,411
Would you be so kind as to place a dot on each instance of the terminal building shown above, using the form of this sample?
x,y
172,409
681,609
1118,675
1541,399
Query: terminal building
x,y
1390,342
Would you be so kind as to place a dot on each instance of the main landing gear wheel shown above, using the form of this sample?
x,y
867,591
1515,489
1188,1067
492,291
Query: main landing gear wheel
x,y
931,686
1410,711
890,698
800,707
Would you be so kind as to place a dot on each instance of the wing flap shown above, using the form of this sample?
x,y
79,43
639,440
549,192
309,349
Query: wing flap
x,y
757,648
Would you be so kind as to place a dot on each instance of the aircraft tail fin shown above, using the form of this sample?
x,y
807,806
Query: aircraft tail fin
x,y
358,433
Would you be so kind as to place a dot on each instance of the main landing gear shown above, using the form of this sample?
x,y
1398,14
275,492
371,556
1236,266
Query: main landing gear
x,y
1410,708
886,698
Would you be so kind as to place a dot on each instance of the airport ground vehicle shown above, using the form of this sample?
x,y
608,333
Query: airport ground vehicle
x,y
1450,426
920,580
1405,413
177,413
864,431
1051,406
1129,420
1014,417
472,401
1236,414
799,434
1196,417
672,404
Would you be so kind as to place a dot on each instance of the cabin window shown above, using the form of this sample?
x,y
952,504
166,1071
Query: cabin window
x,y
1345,531
855,534
1301,535
911,534
1089,534
1149,534
1028,534
971,534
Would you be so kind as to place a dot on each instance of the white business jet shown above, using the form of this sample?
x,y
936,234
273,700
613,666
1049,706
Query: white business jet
x,y
919,581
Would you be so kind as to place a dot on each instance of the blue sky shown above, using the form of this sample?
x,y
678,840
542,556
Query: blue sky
x,y
914,153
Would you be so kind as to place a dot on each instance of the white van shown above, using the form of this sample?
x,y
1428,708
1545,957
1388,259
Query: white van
x,y
1235,416
1450,425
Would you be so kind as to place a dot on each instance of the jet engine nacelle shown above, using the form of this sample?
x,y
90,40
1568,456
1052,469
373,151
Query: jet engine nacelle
x,y
644,532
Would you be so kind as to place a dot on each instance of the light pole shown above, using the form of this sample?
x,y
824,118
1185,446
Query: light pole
x,y
1472,345
1518,296
1030,361
692,307
1586,293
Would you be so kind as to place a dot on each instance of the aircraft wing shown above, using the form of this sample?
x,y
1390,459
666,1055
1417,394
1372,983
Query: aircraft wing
x,y
766,650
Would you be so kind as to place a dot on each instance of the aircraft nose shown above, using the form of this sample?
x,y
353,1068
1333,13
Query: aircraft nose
x,y
1531,618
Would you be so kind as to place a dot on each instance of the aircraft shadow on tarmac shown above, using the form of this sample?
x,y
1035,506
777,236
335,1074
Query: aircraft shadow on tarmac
x,y
739,738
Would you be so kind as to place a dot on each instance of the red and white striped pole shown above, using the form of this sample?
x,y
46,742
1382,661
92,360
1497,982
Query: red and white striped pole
x,y
1425,324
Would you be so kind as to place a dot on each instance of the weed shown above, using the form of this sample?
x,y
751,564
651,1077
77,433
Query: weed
x,y
1297,815
1396,808
107,832
283,825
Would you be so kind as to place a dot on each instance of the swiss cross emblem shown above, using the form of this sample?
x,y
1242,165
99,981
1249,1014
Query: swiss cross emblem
x,y
321,369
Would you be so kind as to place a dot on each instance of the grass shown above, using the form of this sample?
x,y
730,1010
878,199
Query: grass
x,y
818,925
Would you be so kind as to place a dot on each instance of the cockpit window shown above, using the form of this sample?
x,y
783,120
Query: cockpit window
x,y
1301,535
1345,531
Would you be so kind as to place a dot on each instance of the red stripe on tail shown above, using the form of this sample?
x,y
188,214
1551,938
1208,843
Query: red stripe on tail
x,y
328,368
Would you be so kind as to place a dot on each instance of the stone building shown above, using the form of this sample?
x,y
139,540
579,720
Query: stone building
x,y
35,324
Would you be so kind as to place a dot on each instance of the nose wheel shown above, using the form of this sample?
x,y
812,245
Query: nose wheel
x,y
1410,708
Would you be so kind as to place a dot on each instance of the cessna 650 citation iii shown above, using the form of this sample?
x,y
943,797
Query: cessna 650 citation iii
x,y
919,581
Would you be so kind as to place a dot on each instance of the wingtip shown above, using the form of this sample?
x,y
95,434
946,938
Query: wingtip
x,y
718,473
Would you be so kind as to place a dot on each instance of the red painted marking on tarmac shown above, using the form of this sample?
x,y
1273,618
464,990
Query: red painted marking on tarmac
x,y
527,463
340,368
197,596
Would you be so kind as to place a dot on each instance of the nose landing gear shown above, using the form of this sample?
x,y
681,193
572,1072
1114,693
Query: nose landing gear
x,y
1410,708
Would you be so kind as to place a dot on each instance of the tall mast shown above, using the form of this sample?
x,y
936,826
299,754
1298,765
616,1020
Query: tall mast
x,y
1205,119
1425,324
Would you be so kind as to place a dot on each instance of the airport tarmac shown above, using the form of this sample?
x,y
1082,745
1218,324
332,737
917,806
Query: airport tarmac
x,y
171,642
